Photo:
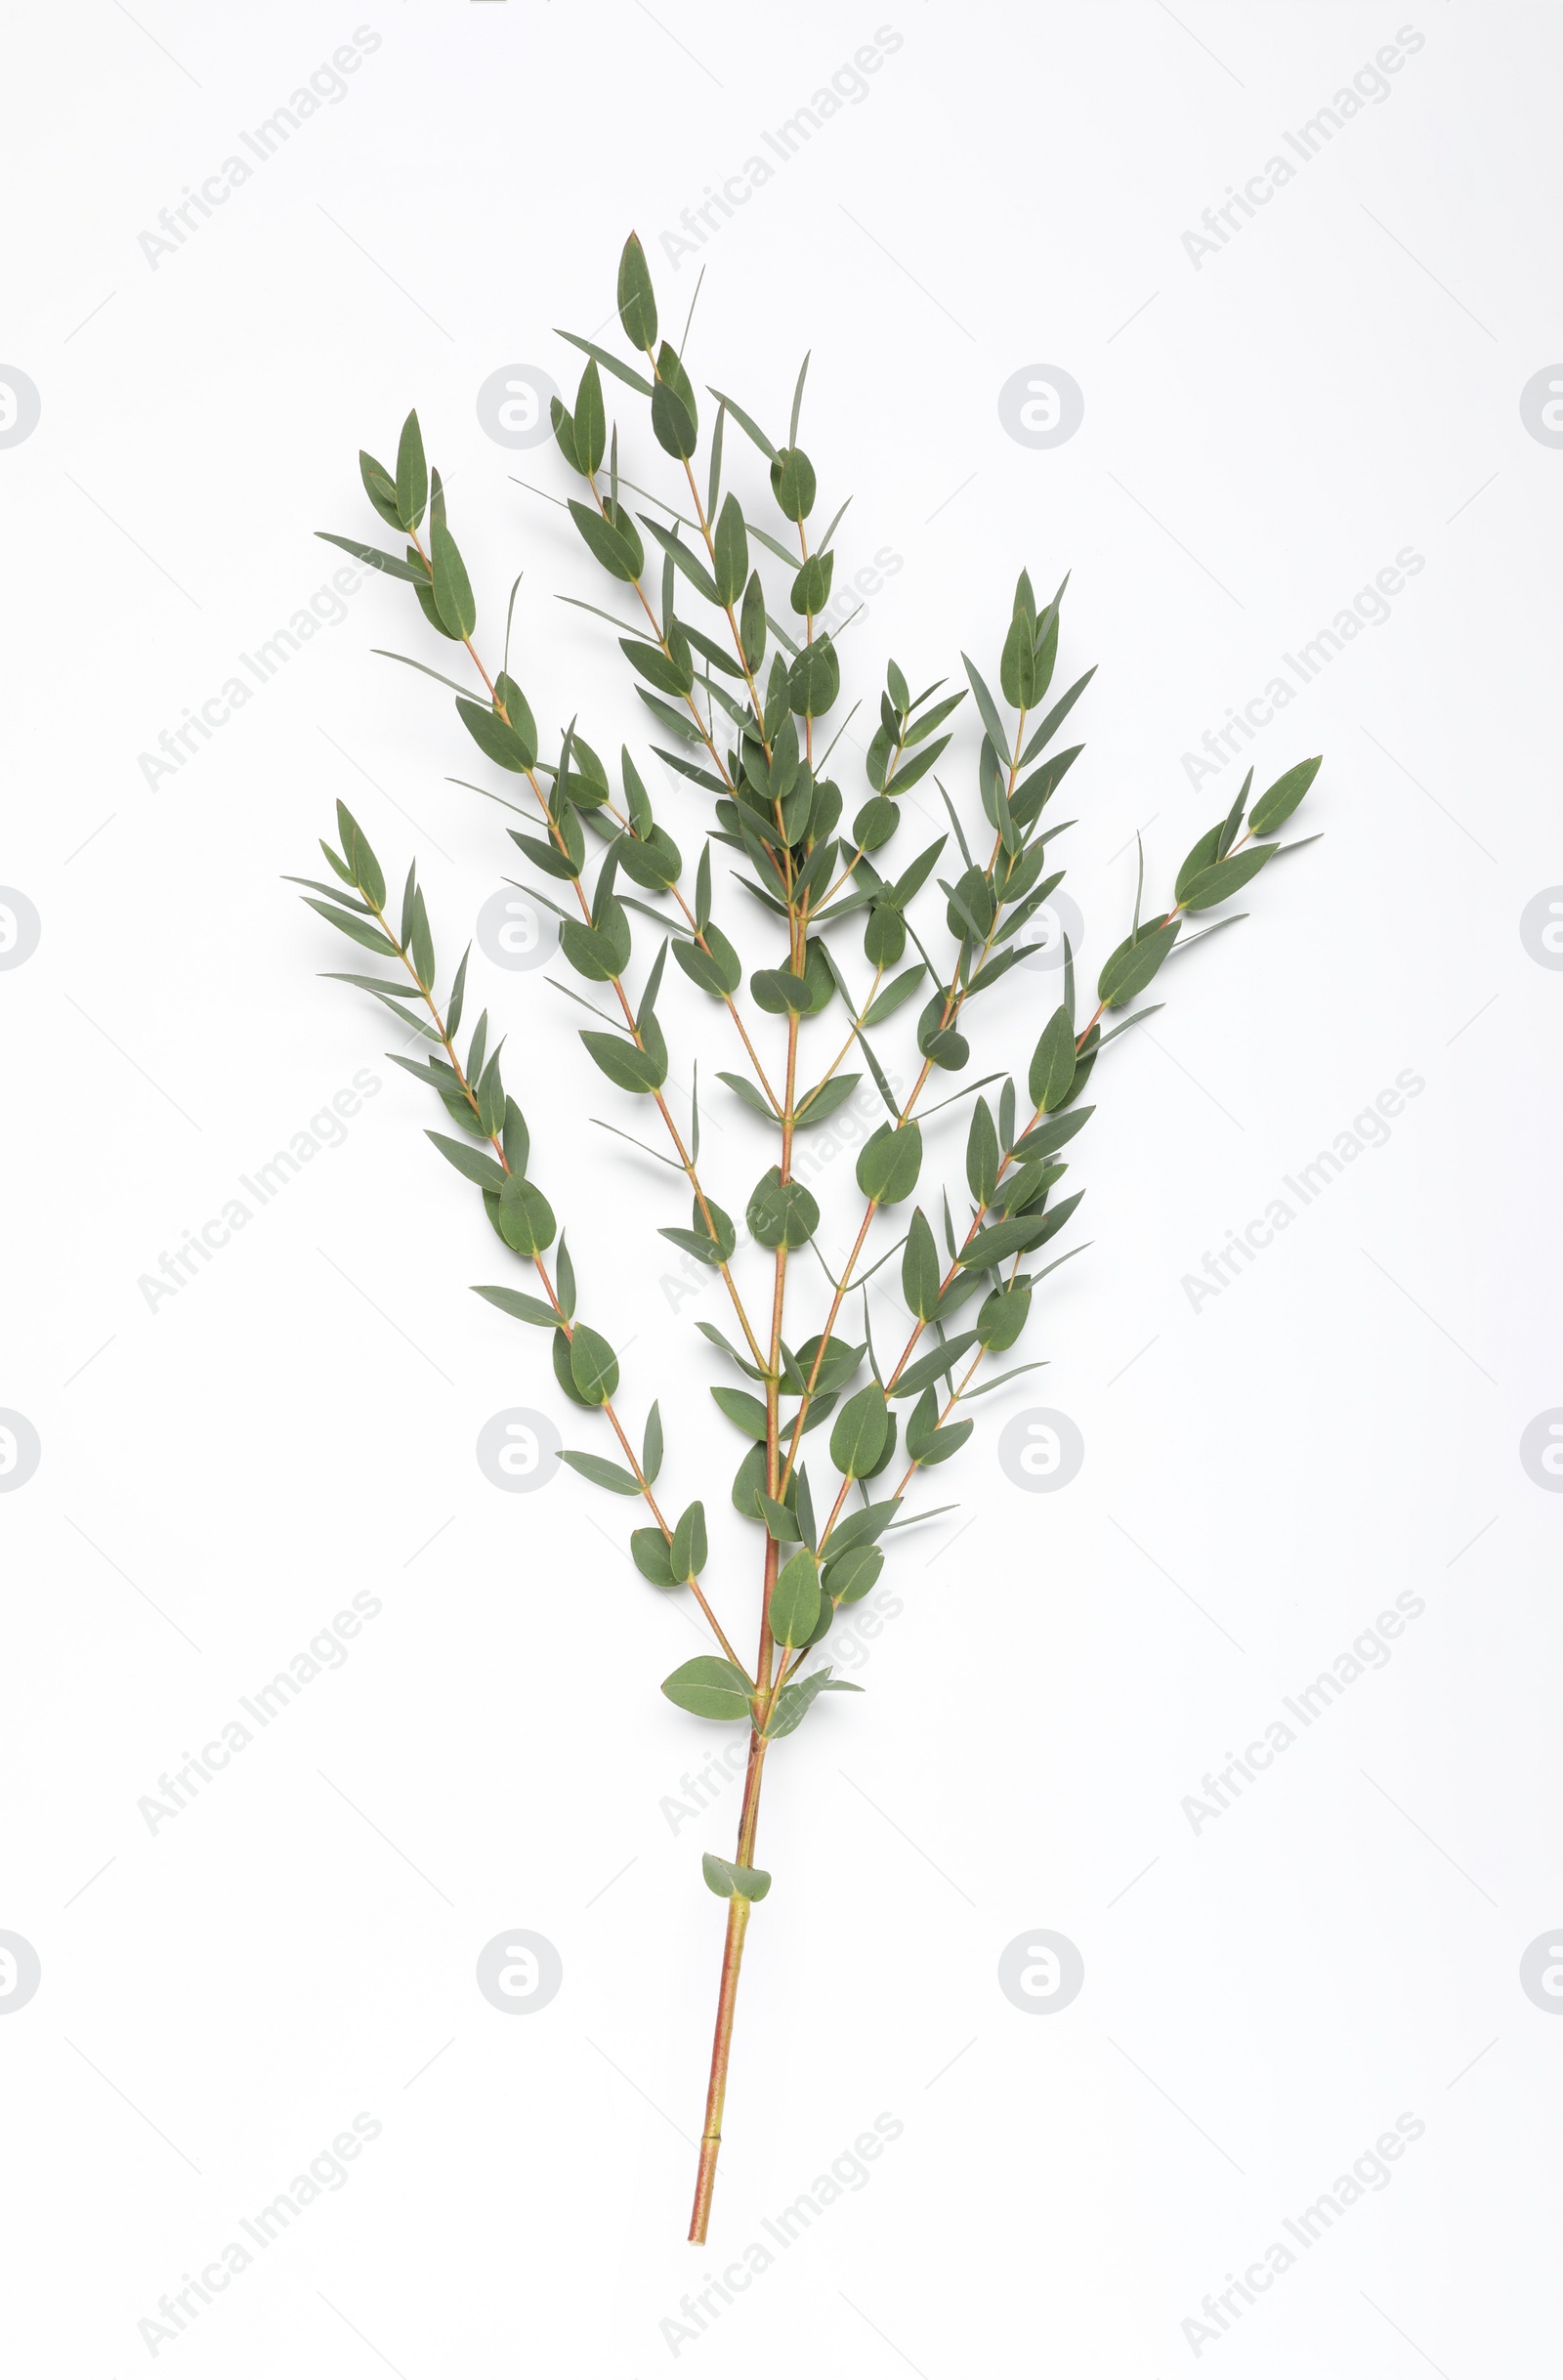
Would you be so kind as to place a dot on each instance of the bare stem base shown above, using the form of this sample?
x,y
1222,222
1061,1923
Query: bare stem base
x,y
738,1920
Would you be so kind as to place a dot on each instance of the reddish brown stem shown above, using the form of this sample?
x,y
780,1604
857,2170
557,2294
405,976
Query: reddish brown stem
x,y
738,1920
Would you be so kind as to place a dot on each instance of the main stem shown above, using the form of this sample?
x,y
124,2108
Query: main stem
x,y
726,2000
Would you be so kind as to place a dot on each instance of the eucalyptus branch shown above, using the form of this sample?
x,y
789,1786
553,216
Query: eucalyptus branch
x,y
737,697
520,1221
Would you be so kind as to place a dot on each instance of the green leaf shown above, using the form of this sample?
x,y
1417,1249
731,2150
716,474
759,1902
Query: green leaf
x,y
589,429
850,1576
1052,1067
610,363
810,592
698,1241
648,1553
694,569
380,489
412,475
751,623
793,1702
928,1444
686,1554
1276,805
750,428
824,1100
1017,666
998,732
562,1371
750,1094
1130,967
861,1528
363,866
781,1520
731,1882
497,739
1213,885
600,1471
859,1431
710,1687
674,413
939,1042
565,433
1234,818
899,989
614,540
934,1366
593,1364
920,1275
982,1154
475,1163
1206,851
1023,1188
426,604
890,1161
591,954
666,675
637,304
815,679
632,1068
745,1410
525,1220
377,559
717,969
452,589
1055,718
793,483
1001,1317
732,543
358,929
1051,1137
794,1606
782,1215
422,943
392,994
996,1241
523,1307
776,989
651,1443
654,864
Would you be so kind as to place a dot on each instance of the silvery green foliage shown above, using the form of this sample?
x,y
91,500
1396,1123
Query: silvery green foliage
x,y
738,681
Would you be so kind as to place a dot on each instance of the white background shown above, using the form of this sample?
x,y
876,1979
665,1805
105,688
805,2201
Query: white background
x,y
1054,1673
